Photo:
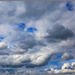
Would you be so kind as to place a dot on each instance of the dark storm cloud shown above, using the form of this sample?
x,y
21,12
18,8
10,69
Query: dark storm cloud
x,y
58,32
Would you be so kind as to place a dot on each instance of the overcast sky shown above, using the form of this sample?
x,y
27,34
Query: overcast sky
x,y
37,37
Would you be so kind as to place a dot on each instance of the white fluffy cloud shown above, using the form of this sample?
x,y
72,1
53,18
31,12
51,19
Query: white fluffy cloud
x,y
66,68
73,64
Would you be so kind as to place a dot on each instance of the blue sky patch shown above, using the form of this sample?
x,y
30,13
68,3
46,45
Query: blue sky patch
x,y
59,56
69,6
21,25
53,63
31,29
1,38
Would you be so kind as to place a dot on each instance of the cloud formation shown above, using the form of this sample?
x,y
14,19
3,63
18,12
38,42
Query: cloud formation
x,y
3,46
66,69
36,33
27,59
67,56
58,32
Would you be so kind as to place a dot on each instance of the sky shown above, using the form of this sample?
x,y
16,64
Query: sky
x,y
37,37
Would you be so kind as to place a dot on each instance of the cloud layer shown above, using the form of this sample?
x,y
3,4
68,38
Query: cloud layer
x,y
33,34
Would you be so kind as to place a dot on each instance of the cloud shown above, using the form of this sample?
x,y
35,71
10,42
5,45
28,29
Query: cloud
x,y
73,64
3,46
26,11
63,71
67,46
26,44
58,32
35,33
66,69
67,56
28,59
66,66
39,9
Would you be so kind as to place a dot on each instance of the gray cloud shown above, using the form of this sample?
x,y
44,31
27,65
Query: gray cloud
x,y
3,46
37,10
28,60
26,44
59,32
25,11
67,56
31,49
